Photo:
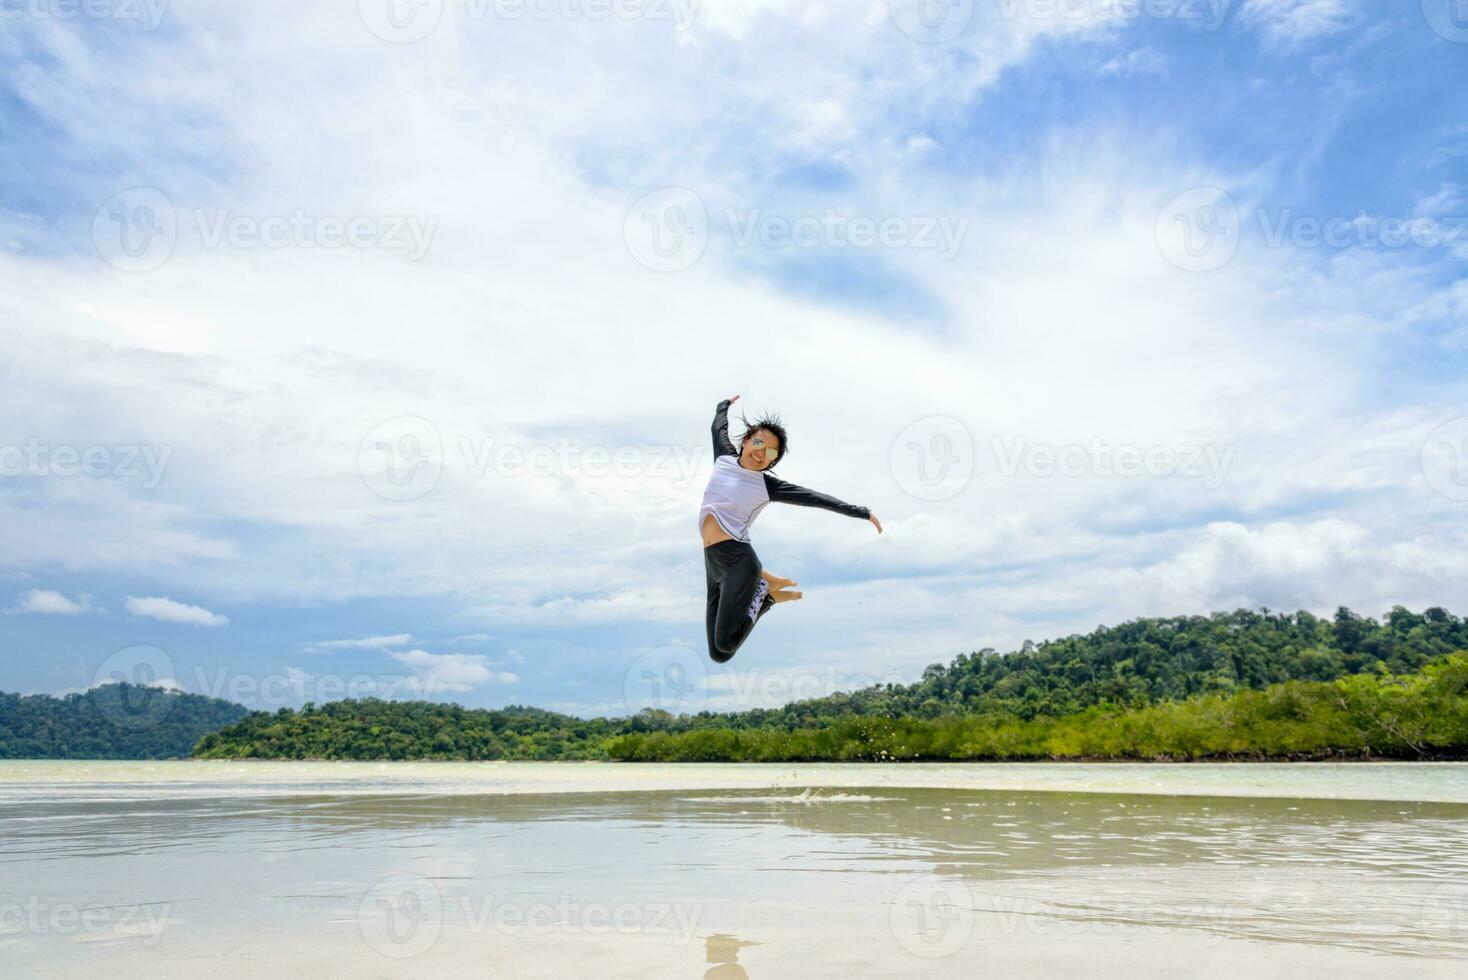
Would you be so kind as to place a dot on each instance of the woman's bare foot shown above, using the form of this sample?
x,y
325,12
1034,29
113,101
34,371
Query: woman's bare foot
x,y
776,583
785,595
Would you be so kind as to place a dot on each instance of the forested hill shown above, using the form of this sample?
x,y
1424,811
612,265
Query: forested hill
x,y
1146,661
115,721
1132,666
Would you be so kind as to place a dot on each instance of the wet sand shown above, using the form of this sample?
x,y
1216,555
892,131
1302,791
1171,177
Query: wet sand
x,y
158,870
1444,782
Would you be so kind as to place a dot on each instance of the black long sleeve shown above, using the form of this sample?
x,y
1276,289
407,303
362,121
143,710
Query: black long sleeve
x,y
722,445
789,493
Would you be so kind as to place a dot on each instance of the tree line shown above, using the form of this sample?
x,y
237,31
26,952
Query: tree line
x,y
1052,699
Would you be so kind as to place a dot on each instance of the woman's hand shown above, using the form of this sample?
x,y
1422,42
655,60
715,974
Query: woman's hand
x,y
876,523
733,399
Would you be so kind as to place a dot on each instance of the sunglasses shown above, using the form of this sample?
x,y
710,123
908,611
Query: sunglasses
x,y
771,453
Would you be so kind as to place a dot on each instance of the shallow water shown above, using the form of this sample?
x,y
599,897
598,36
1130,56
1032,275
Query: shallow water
x,y
324,870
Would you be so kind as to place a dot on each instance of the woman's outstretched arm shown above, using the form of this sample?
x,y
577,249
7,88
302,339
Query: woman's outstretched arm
x,y
722,445
789,493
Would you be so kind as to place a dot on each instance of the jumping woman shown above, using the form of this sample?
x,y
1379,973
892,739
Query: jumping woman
x,y
740,591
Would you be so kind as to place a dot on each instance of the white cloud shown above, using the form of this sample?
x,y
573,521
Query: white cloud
x,y
170,611
363,643
1138,62
435,673
1286,23
51,603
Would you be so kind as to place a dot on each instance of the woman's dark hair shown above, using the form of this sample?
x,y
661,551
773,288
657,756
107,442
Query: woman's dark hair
x,y
772,424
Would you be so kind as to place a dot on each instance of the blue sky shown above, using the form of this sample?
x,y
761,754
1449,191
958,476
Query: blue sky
x,y
976,274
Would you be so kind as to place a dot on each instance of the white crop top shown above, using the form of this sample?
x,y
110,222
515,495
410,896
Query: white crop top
x,y
735,495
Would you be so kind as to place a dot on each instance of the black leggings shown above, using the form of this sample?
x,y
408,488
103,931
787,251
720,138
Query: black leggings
x,y
734,582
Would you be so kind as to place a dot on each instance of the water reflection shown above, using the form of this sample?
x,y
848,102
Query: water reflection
x,y
1349,874
723,951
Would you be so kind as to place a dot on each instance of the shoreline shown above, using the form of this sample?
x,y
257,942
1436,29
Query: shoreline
x,y
1427,782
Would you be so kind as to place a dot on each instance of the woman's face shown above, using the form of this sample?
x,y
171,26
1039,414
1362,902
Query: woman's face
x,y
760,450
